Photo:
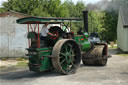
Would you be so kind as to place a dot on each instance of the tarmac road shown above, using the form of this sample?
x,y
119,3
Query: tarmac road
x,y
115,73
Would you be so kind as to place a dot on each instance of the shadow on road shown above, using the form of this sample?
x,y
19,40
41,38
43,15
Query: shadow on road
x,y
92,66
27,74
125,73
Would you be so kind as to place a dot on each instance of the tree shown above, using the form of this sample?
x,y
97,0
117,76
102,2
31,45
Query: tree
x,y
95,21
45,8
71,7
110,25
75,10
2,10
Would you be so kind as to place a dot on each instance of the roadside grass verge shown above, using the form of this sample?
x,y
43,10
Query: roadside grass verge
x,y
13,58
17,65
8,65
3,67
114,47
126,55
22,64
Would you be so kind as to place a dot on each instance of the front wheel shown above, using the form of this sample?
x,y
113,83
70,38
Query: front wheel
x,y
66,56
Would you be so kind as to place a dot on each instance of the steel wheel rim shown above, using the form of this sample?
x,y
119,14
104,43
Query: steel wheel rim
x,y
61,59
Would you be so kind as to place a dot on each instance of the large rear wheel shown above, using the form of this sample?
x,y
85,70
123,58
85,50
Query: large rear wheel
x,y
66,56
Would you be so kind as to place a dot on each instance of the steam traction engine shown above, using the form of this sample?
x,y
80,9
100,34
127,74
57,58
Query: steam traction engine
x,y
64,51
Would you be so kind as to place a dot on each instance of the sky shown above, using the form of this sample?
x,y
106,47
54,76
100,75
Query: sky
x,y
86,1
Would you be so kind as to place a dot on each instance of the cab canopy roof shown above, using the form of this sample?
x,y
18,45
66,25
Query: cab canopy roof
x,y
35,20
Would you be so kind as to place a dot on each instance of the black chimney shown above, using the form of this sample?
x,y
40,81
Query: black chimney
x,y
85,17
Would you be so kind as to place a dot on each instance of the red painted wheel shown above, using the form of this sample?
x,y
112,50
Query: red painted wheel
x,y
54,37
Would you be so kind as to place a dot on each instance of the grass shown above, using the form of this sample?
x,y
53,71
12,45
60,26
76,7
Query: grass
x,y
4,58
21,64
13,58
114,47
123,55
3,67
20,59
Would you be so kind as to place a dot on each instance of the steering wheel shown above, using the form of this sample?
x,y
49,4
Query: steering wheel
x,y
54,37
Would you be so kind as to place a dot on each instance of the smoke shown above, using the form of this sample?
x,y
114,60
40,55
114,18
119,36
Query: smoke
x,y
116,4
101,5
108,5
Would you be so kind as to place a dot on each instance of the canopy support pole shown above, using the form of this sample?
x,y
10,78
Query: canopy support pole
x,y
28,39
38,37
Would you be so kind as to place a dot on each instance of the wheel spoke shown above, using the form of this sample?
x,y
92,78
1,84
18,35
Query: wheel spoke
x,y
72,64
69,45
68,67
70,51
62,54
62,61
66,49
73,55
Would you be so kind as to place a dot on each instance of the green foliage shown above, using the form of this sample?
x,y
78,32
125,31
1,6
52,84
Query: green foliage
x,y
105,23
20,59
71,7
110,25
75,10
4,58
96,22
44,8
21,63
2,10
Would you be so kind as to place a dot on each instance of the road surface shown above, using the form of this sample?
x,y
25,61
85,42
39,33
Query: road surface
x,y
115,73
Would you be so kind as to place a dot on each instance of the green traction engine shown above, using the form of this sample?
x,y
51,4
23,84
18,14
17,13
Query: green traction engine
x,y
65,51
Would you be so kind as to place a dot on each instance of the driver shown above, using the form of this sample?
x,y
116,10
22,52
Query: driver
x,y
45,32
